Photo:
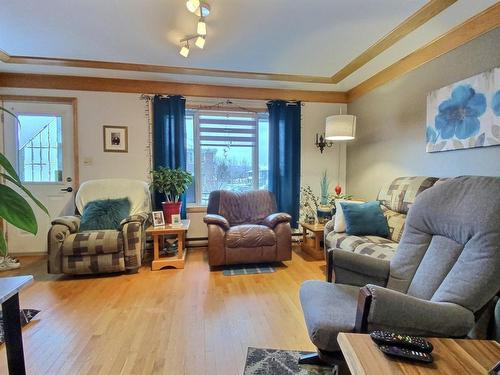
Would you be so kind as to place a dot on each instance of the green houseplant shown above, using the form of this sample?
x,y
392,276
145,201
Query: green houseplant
x,y
14,209
171,183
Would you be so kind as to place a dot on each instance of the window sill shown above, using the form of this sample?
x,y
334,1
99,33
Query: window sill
x,y
193,209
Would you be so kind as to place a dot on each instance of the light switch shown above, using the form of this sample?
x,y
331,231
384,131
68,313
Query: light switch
x,y
87,161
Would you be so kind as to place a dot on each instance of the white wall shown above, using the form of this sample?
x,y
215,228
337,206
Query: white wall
x,y
96,109
390,139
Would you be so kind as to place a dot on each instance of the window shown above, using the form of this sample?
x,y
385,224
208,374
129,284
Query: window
x,y
39,148
226,150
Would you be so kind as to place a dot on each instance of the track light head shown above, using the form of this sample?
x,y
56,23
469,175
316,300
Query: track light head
x,y
200,41
202,27
185,50
192,5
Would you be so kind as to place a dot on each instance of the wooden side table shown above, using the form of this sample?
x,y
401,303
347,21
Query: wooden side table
x,y
312,235
178,230
451,356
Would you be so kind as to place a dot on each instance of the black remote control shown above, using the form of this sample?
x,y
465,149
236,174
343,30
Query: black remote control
x,y
404,341
406,353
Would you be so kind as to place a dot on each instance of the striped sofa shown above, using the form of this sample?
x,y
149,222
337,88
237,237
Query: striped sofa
x,y
395,200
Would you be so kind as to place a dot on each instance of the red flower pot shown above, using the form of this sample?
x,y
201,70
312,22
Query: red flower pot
x,y
169,209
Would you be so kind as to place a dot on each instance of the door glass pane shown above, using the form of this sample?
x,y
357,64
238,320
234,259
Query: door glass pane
x,y
39,148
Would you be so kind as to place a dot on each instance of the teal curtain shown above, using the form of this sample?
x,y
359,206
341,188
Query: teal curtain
x,y
284,156
169,138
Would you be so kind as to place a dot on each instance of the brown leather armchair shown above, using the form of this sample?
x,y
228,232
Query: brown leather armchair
x,y
245,228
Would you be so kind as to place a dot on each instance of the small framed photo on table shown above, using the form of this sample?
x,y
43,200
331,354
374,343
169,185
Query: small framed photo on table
x,y
115,138
158,219
176,220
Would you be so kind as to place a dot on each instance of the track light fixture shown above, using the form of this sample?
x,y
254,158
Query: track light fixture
x,y
202,10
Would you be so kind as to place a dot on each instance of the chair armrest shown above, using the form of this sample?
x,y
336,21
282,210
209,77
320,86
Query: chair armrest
x,y
356,269
71,222
217,220
141,218
274,219
382,308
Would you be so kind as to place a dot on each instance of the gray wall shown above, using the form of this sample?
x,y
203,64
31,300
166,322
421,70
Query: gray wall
x,y
390,139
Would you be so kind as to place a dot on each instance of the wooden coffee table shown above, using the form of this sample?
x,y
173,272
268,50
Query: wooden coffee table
x,y
451,356
312,235
157,232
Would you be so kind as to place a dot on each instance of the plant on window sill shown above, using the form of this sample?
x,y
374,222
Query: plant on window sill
x,y
13,207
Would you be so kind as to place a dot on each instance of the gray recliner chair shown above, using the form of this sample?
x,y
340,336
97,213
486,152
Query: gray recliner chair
x,y
445,271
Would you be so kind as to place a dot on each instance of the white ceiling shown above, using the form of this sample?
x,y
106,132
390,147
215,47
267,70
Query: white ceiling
x,y
315,37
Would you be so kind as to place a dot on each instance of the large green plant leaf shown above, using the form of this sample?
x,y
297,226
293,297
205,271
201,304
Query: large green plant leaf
x,y
15,210
5,163
18,184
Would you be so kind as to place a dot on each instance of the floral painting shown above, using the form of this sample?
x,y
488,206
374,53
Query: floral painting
x,y
465,114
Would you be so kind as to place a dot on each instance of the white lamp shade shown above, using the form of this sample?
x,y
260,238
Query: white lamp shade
x,y
200,42
340,127
184,51
202,27
192,5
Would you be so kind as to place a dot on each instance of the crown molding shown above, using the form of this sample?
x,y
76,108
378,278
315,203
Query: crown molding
x,y
417,19
83,83
474,27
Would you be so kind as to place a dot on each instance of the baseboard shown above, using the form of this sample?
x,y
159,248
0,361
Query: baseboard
x,y
29,254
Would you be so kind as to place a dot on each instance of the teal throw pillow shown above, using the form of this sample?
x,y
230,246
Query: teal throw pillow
x,y
104,214
365,219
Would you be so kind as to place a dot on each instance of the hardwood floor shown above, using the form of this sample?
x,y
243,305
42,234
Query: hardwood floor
x,y
189,321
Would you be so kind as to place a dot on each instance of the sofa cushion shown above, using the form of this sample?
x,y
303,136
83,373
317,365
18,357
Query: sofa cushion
x,y
250,235
374,246
93,243
104,214
399,194
395,222
339,220
328,309
365,219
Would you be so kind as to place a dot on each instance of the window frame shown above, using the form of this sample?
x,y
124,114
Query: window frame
x,y
17,162
195,114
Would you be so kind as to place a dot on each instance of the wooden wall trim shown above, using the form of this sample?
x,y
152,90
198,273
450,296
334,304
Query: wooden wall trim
x,y
96,64
417,19
474,27
61,82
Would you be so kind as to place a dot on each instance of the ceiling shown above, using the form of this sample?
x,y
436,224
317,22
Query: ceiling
x,y
315,37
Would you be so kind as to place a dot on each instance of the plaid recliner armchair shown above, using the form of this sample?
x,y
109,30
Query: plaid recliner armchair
x,y
101,251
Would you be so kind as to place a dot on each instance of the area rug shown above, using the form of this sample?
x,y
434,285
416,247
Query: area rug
x,y
248,269
280,362
26,316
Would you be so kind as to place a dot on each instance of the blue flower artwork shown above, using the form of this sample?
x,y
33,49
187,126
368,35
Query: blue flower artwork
x,y
464,114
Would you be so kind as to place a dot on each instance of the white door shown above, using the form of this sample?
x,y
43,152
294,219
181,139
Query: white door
x,y
40,146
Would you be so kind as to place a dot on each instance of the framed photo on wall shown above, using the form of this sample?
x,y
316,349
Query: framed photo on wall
x,y
115,138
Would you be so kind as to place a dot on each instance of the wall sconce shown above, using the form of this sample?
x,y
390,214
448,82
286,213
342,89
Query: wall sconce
x,y
321,142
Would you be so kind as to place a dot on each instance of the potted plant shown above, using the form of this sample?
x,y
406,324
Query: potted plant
x,y
324,210
171,183
14,209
